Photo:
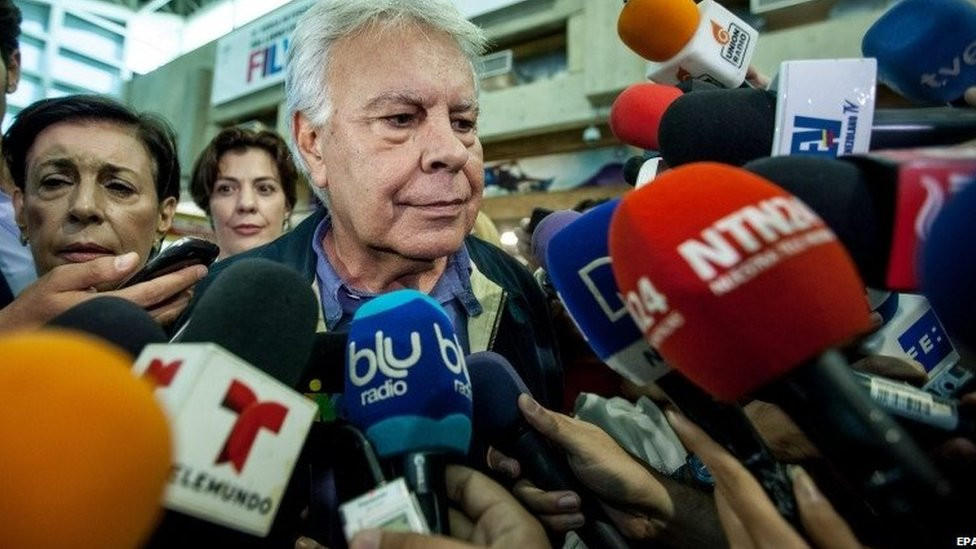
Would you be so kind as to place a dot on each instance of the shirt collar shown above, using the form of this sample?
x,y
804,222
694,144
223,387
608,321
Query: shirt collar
x,y
339,299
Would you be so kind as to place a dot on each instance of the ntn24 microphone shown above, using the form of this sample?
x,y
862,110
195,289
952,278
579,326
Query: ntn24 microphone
x,y
238,433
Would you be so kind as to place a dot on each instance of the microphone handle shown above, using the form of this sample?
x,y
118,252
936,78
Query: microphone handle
x,y
864,444
547,468
424,475
921,127
728,425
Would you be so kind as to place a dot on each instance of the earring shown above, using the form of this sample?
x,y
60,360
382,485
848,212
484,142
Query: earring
x,y
24,239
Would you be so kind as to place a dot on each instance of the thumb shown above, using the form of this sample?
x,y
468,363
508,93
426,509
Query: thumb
x,y
545,421
386,539
81,276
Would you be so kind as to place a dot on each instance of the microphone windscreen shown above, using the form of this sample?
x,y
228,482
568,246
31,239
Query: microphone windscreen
x,y
407,385
925,48
636,113
263,312
657,29
496,386
709,256
547,228
115,320
948,271
728,126
632,168
86,447
839,194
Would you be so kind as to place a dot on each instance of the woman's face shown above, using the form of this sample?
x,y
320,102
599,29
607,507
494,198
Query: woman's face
x,y
89,192
247,204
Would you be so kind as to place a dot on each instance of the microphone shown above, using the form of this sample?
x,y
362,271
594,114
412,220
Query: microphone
x,y
926,49
683,40
227,386
407,389
736,126
948,272
544,231
112,319
707,273
246,304
636,113
860,206
86,447
497,418
580,263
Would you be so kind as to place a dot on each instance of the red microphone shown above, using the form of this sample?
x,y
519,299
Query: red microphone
x,y
745,290
636,113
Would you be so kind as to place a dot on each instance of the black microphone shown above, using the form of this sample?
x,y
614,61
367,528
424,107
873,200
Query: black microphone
x,y
113,319
497,418
263,312
736,126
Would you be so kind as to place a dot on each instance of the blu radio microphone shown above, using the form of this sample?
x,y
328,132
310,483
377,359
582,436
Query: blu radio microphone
x,y
407,389
926,49
705,254
685,40
87,449
112,319
497,418
736,126
580,269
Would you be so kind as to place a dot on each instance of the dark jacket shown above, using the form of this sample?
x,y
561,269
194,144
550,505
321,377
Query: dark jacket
x,y
514,323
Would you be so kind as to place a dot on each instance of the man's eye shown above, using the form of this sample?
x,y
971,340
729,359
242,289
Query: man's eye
x,y
400,120
464,125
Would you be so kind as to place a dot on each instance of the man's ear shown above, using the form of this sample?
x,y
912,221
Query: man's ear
x,y
13,71
308,138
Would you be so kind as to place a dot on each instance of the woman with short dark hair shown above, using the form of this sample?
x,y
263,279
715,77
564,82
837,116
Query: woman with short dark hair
x,y
96,188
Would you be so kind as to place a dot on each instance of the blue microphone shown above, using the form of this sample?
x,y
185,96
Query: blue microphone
x,y
948,271
407,388
579,267
926,49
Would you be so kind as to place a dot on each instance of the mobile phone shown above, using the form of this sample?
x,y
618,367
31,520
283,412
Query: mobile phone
x,y
182,253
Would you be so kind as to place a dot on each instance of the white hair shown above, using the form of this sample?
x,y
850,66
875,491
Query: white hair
x,y
307,88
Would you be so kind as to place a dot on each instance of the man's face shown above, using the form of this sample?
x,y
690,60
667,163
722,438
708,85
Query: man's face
x,y
399,156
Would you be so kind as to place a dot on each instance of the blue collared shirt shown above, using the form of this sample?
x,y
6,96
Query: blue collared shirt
x,y
340,301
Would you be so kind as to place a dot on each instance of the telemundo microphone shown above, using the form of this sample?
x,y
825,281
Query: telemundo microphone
x,y
498,419
228,389
881,211
684,40
407,388
580,269
705,254
87,450
926,49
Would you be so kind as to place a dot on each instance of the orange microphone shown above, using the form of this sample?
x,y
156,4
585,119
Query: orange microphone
x,y
636,113
684,40
86,448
